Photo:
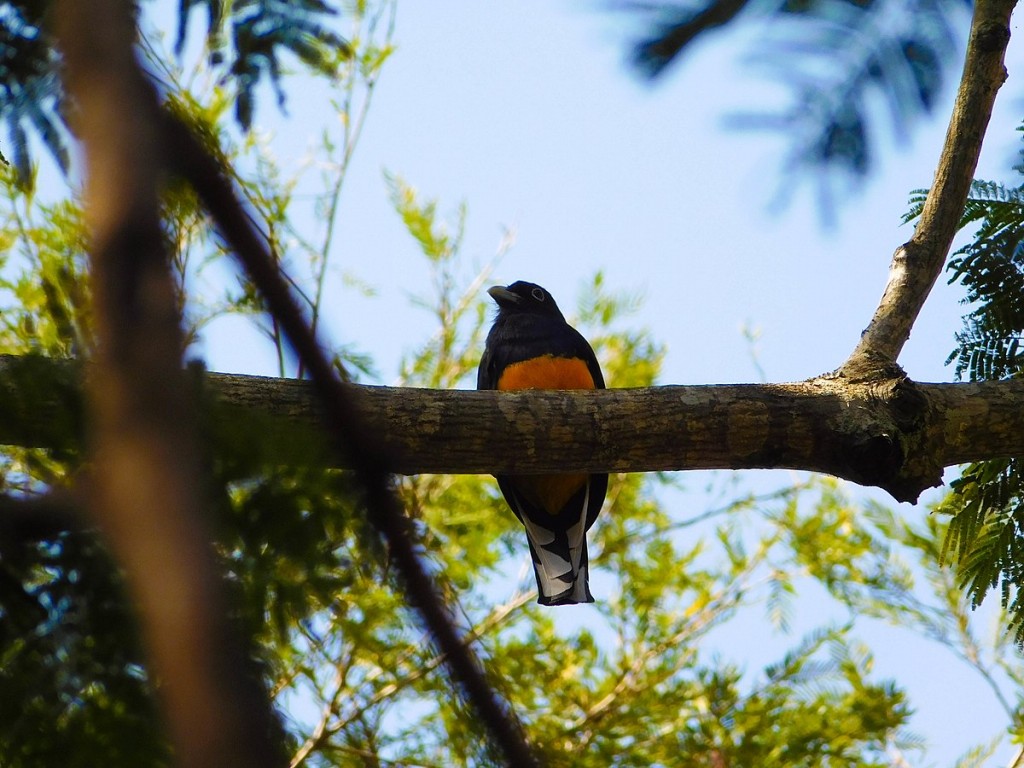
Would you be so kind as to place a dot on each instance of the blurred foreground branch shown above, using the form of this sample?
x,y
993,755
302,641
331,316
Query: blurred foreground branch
x,y
348,434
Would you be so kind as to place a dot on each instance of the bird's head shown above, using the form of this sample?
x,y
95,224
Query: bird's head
x,y
521,296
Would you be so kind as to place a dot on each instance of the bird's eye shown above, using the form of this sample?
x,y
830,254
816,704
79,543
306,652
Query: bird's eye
x,y
538,294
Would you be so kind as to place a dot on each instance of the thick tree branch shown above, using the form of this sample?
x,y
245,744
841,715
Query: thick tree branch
x,y
38,518
895,434
917,263
145,488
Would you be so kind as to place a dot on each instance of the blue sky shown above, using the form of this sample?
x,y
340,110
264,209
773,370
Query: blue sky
x,y
527,112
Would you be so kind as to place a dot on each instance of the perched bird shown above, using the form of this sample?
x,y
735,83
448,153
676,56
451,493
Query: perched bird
x,y
531,346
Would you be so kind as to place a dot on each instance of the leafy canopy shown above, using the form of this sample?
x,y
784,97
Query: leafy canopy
x,y
837,58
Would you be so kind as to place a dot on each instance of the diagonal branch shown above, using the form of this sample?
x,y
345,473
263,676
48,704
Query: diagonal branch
x,y
145,485
349,435
327,726
917,263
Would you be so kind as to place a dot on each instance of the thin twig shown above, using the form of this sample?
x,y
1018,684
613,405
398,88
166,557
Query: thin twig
x,y
352,131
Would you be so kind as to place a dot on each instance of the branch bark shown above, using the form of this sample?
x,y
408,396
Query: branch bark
x,y
917,263
144,488
894,433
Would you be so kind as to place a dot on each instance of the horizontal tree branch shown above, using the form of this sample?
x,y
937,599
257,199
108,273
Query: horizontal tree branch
x,y
894,433
40,518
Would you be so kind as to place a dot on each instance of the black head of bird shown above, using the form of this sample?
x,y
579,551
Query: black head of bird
x,y
522,296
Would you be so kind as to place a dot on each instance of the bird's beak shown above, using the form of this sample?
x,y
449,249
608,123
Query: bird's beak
x,y
503,296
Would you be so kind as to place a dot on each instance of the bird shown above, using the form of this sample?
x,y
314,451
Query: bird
x,y
531,346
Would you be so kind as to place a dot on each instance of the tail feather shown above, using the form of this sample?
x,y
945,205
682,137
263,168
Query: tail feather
x,y
560,559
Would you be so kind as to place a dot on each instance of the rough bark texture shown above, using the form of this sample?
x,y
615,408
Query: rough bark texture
x,y
917,263
894,433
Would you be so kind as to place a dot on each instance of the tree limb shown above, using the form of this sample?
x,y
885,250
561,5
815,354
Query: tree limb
x,y
894,433
917,263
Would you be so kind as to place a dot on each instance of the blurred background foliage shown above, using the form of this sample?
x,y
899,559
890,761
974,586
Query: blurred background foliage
x,y
838,59
640,678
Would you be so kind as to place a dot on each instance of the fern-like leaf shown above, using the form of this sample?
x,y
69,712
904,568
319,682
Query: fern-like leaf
x,y
991,269
985,538
247,36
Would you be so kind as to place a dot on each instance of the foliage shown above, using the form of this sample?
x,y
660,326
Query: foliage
x,y
991,269
631,683
657,670
29,85
69,654
70,657
896,572
70,664
986,503
837,57
260,29
244,40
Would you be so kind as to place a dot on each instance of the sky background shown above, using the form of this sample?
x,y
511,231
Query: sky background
x,y
528,112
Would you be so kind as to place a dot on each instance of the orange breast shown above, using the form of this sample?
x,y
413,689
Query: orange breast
x,y
548,492
547,372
